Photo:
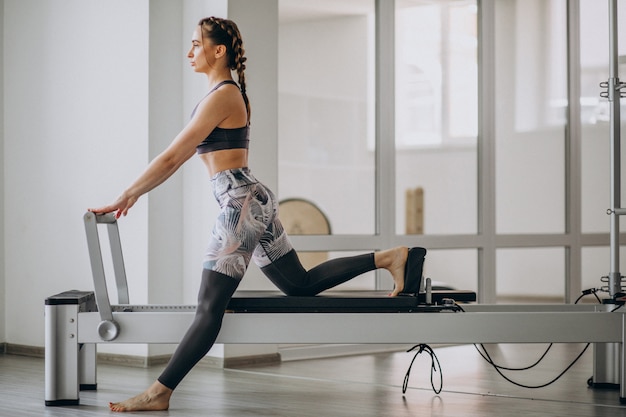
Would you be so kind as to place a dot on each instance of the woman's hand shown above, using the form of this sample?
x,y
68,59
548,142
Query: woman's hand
x,y
120,206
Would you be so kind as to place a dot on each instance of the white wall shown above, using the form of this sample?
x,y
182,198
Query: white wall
x,y
76,129
200,209
324,85
165,234
101,88
2,266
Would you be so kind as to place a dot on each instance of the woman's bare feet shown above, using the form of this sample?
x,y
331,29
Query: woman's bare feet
x,y
393,260
155,398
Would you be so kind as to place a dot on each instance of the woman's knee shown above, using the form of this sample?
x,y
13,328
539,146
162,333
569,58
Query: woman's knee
x,y
216,289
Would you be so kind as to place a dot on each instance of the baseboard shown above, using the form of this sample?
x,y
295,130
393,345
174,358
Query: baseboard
x,y
146,362
296,353
529,299
208,361
285,354
104,358
123,360
23,350
240,361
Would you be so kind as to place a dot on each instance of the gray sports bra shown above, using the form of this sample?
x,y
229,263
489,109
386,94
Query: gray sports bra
x,y
220,139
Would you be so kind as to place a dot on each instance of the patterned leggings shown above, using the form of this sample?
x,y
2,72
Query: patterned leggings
x,y
248,228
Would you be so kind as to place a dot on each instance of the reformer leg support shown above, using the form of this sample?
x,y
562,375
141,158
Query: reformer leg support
x,y
413,270
606,357
215,291
606,360
622,364
69,366
87,369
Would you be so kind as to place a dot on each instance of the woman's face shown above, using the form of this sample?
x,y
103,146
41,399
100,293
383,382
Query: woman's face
x,y
203,55
196,55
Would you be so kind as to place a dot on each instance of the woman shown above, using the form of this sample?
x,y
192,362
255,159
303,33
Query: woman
x,y
247,227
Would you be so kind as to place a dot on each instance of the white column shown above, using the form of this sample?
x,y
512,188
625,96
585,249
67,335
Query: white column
x,y
2,268
258,24
165,203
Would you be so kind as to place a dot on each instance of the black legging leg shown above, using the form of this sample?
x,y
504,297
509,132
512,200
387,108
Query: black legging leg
x,y
288,274
216,290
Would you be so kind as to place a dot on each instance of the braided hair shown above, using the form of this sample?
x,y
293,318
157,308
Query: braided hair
x,y
225,32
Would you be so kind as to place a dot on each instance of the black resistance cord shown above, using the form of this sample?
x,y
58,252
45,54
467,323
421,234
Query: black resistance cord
x,y
436,367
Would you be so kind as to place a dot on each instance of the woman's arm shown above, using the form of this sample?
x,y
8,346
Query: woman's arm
x,y
210,112
160,169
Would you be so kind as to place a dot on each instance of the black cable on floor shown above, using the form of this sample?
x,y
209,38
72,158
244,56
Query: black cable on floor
x,y
504,368
524,368
433,368
499,368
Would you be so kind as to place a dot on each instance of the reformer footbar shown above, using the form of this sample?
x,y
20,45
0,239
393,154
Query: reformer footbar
x,y
75,321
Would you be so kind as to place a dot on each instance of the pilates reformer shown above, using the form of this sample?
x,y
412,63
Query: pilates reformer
x,y
76,321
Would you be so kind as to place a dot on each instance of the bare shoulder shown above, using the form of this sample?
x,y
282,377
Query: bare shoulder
x,y
226,95
223,105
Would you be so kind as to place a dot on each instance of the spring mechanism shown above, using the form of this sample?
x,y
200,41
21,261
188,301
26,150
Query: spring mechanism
x,y
605,288
611,86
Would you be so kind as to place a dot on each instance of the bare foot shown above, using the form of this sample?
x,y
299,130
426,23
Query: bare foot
x,y
393,260
155,398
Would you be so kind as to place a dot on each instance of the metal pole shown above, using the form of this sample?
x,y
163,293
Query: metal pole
x,y
614,279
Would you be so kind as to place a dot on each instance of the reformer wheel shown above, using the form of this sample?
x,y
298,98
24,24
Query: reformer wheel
x,y
108,330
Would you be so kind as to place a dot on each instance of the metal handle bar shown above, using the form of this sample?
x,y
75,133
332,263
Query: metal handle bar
x,y
108,328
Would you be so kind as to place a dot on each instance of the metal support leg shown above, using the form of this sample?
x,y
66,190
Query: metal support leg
x,y
87,367
67,366
61,354
606,357
622,364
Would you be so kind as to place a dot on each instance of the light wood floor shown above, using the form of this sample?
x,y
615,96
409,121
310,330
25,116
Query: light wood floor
x,y
363,386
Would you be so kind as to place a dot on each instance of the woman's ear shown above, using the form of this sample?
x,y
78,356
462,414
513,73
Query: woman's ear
x,y
220,51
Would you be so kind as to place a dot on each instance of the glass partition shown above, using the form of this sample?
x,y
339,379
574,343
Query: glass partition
x,y
595,120
531,104
436,103
530,275
326,110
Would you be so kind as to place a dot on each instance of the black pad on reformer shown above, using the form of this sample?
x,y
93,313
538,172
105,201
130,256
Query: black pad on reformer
x,y
340,302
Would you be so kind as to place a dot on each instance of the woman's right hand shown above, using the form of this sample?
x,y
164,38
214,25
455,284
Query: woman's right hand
x,y
120,206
